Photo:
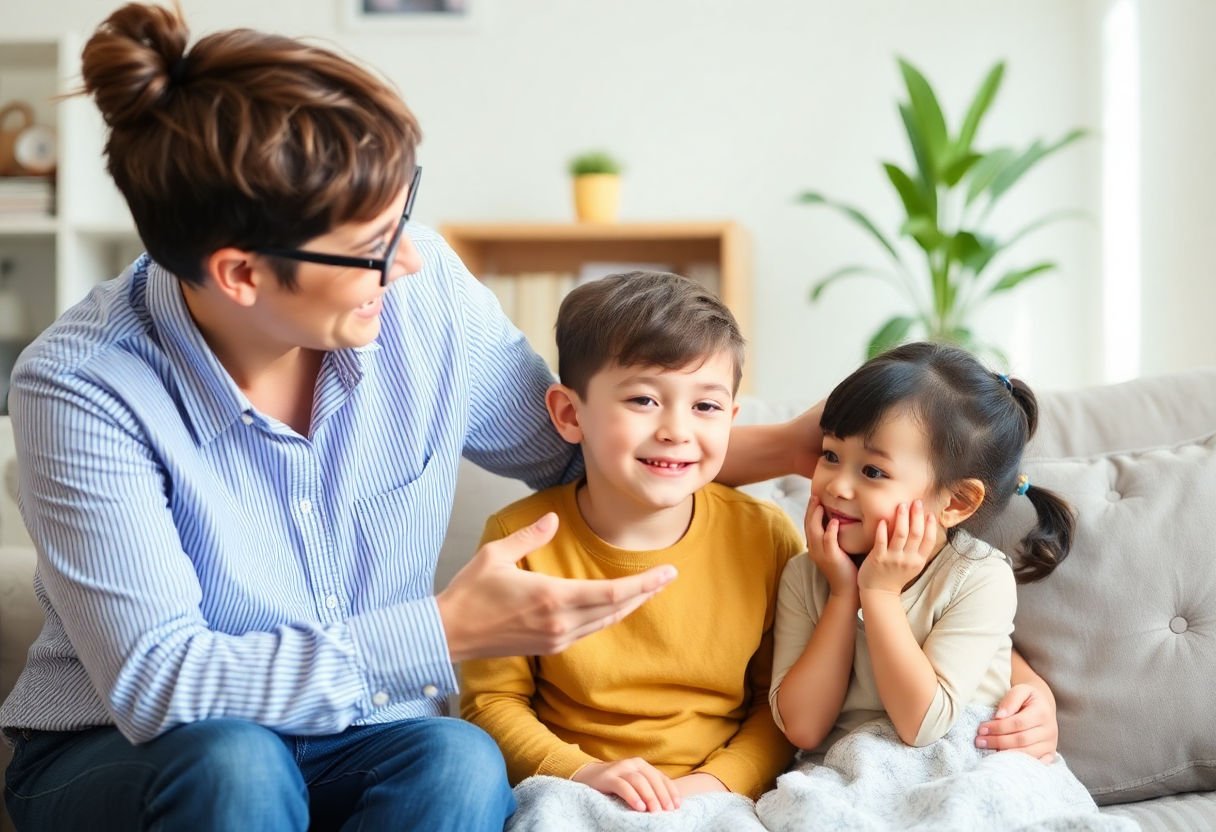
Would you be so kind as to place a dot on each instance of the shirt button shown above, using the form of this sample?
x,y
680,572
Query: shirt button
x,y
246,418
380,699
1178,624
332,602
430,691
306,505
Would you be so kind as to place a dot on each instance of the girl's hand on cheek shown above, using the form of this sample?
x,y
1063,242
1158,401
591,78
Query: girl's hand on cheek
x,y
896,561
824,547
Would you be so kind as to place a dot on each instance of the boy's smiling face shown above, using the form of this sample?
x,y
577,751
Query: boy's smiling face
x,y
862,481
651,436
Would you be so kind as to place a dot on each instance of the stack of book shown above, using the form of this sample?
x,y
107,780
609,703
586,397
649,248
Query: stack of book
x,y
27,196
531,300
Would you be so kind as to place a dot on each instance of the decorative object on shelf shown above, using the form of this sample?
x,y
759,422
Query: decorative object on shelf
x,y
398,16
26,148
597,186
947,198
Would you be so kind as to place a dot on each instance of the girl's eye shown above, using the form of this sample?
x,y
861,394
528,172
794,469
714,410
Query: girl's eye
x,y
830,456
707,407
872,473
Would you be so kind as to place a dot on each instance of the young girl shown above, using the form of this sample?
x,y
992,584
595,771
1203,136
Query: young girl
x,y
897,611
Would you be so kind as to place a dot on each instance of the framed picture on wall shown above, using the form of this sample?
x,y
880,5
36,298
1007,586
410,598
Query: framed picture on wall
x,y
401,15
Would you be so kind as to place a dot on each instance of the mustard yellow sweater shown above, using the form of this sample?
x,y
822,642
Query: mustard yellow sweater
x,y
681,683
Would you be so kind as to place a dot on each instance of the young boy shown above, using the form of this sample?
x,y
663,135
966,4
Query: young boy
x,y
671,701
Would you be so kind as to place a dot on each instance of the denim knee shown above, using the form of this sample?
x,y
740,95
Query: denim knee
x,y
466,761
246,771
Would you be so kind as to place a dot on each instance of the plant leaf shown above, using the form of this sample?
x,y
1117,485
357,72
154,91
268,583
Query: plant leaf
x,y
979,106
928,116
926,175
925,231
814,198
958,168
1013,278
842,272
890,334
1034,154
908,191
986,170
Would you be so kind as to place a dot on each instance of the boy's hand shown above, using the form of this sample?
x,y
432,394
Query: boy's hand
x,y
642,786
699,782
825,552
492,608
893,563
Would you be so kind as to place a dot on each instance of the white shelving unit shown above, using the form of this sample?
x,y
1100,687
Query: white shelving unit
x,y
53,261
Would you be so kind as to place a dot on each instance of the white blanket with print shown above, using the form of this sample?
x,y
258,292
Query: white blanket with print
x,y
870,780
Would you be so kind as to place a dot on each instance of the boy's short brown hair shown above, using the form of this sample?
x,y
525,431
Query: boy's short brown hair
x,y
642,319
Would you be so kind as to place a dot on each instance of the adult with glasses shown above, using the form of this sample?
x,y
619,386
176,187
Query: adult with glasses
x,y
238,460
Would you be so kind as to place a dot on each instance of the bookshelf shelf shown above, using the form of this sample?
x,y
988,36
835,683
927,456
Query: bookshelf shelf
x,y
716,248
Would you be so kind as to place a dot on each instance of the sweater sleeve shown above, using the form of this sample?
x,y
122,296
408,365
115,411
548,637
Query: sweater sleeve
x,y
496,695
758,752
971,634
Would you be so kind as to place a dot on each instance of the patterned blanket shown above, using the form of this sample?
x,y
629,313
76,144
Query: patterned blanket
x,y
869,781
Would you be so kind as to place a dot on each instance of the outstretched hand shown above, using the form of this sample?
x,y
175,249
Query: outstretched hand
x,y
1025,721
491,608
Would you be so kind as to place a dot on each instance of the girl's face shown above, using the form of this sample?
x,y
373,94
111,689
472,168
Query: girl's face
x,y
862,482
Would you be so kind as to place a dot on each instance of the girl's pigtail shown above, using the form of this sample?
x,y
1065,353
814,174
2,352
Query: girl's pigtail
x,y
1049,542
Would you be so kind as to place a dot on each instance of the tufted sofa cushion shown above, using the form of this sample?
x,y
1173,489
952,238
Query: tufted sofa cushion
x,y
1124,630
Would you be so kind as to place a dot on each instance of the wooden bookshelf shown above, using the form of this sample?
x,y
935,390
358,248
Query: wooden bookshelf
x,y
523,248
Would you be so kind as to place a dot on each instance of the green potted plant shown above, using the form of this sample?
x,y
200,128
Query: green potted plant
x,y
597,186
947,198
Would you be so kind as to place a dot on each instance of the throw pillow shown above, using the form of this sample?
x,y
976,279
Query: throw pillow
x,y
1124,630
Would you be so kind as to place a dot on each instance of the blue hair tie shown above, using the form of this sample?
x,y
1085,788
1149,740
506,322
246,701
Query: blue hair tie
x,y
1023,485
1005,381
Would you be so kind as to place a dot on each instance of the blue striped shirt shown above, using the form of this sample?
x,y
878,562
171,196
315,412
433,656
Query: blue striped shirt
x,y
198,559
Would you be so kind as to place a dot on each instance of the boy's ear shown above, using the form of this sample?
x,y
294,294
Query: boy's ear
x,y
966,497
734,411
234,274
562,403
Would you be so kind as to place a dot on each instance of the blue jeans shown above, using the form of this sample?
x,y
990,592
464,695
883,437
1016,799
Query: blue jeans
x,y
433,773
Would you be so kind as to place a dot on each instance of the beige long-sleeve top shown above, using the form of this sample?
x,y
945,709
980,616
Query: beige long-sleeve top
x,y
961,612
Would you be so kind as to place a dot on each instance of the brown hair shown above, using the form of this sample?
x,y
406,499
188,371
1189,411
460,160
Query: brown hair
x,y
247,139
642,318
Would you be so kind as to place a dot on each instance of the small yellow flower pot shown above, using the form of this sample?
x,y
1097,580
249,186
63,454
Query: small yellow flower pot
x,y
597,197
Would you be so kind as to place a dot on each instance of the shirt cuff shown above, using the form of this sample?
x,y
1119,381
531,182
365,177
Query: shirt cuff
x,y
404,653
565,762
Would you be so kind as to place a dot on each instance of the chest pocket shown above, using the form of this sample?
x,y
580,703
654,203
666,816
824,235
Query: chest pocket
x,y
399,534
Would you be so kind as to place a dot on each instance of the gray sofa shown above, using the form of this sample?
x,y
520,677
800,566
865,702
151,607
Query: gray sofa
x,y
1125,630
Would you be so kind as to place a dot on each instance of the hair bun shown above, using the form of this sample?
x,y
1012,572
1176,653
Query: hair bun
x,y
132,61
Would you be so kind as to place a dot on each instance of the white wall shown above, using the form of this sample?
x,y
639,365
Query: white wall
x,y
728,109
1178,170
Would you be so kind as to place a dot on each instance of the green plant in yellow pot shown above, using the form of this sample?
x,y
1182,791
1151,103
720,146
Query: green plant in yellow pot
x,y
947,197
597,186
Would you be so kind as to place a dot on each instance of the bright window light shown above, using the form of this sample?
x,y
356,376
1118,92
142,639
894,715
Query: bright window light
x,y
1121,194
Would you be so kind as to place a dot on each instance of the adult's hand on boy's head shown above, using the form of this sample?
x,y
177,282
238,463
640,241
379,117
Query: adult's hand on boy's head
x,y
492,608
634,781
808,439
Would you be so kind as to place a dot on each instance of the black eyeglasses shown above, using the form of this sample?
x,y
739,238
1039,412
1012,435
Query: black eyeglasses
x,y
378,264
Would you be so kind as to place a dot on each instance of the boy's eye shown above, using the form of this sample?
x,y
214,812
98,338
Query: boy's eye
x,y
872,473
643,401
707,407
830,456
